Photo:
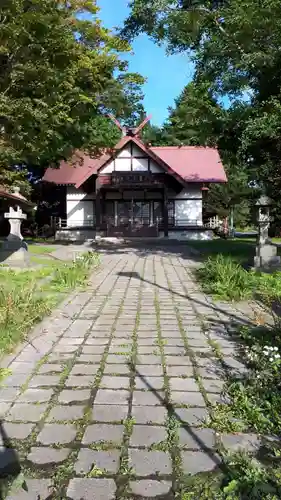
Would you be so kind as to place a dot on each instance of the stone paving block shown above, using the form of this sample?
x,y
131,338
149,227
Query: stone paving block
x,y
66,412
196,439
49,368
149,383
146,435
194,462
215,386
245,442
198,342
116,359
34,489
149,370
146,463
96,341
117,369
26,412
72,396
80,369
14,380
79,489
112,397
44,380
60,357
66,348
178,360
30,354
187,398
183,384
146,341
107,461
57,434
103,432
150,488
180,371
8,394
148,398
4,407
89,358
147,359
17,431
148,349
35,396
235,365
22,367
191,416
44,455
149,415
78,328
70,341
104,413
173,342
147,332
115,382
80,381
93,349
174,350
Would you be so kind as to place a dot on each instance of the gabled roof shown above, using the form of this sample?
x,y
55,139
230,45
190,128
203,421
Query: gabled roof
x,y
15,196
193,163
186,164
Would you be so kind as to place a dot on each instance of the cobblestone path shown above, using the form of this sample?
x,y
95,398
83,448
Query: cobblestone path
x,y
107,399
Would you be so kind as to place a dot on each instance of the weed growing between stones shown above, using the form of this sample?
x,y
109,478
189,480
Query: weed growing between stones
x,y
240,477
25,299
224,278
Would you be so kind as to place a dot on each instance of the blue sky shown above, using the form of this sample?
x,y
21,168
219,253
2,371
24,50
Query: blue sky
x,y
166,75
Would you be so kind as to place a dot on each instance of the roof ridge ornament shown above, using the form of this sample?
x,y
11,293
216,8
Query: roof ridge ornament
x,y
130,131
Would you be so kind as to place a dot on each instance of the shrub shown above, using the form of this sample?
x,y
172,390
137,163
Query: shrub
x,y
226,279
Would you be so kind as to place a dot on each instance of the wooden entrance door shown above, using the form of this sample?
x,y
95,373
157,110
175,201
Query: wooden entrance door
x,y
132,218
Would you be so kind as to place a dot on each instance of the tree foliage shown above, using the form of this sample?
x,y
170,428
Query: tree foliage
x,y
235,45
60,73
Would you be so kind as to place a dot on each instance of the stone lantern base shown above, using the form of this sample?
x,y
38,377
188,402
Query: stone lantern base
x,y
15,253
266,257
14,250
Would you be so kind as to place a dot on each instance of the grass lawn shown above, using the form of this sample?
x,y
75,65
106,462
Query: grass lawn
x,y
223,273
27,296
40,249
240,249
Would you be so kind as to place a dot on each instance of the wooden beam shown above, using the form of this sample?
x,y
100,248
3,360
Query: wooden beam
x,y
165,213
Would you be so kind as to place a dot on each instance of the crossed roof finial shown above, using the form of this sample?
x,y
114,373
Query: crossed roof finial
x,y
130,131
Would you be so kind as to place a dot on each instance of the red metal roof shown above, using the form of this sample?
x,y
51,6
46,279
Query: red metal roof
x,y
15,196
186,163
193,163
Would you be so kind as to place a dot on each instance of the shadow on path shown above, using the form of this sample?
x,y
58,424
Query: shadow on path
x,y
9,462
213,307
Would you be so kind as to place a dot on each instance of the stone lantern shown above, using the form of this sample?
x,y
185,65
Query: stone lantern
x,y
14,250
266,253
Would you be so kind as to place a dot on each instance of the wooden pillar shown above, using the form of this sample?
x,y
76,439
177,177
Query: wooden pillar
x,y
98,206
165,213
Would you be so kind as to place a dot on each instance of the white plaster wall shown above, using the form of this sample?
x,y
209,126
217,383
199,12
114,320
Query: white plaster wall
x,y
75,235
79,207
191,234
108,168
154,168
193,191
123,162
140,165
188,212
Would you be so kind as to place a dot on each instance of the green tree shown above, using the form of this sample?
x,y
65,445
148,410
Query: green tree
x,y
196,119
235,45
57,82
